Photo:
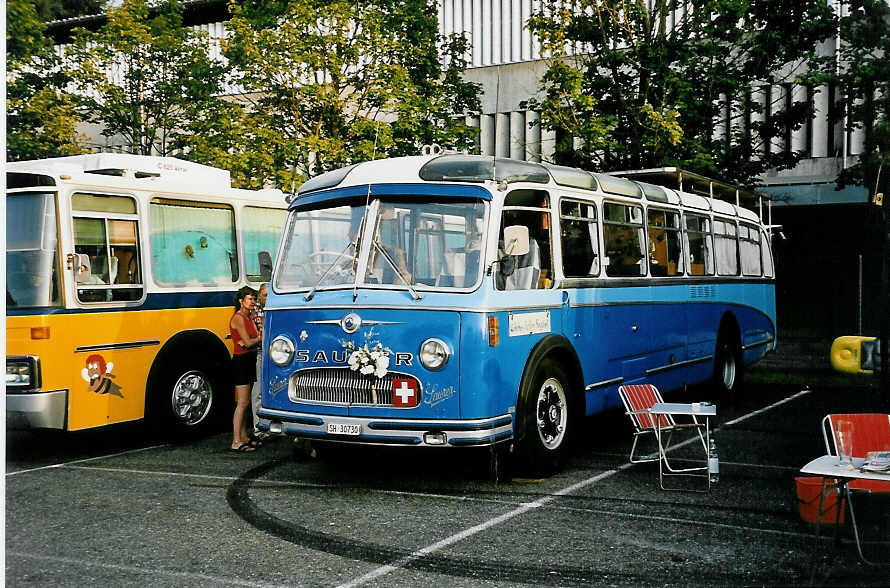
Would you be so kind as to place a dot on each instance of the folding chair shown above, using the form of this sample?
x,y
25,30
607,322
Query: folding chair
x,y
638,400
871,432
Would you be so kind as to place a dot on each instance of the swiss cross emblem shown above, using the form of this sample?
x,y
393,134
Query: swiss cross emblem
x,y
404,392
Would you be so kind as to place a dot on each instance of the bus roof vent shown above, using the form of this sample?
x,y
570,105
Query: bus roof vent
x,y
455,167
144,167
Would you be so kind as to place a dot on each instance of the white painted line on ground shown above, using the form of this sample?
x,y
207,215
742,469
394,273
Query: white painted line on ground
x,y
191,578
85,460
384,570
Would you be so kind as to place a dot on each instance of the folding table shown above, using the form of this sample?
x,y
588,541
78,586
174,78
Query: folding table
x,y
695,410
830,466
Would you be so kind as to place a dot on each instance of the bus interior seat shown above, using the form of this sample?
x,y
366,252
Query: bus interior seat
x,y
528,269
453,270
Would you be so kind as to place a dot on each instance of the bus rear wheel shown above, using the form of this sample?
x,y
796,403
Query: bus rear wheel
x,y
728,370
543,446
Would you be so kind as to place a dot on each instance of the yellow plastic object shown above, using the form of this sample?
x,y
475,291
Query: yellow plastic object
x,y
846,354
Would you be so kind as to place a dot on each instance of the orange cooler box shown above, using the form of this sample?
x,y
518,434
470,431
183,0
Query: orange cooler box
x,y
808,489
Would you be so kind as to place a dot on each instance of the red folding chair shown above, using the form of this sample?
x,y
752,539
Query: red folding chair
x,y
638,399
871,432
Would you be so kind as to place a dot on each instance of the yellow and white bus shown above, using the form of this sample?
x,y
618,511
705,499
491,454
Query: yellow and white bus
x,y
120,278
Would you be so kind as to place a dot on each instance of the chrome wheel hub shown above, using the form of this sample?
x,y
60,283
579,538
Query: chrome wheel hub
x,y
552,413
192,398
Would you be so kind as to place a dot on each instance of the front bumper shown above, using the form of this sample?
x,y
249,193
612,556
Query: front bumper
x,y
391,431
36,410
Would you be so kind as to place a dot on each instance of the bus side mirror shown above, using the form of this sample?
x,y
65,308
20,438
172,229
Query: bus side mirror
x,y
265,260
82,269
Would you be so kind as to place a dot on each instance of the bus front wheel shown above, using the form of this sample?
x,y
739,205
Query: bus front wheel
x,y
548,419
184,401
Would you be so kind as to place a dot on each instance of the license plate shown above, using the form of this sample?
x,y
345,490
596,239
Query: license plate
x,y
344,429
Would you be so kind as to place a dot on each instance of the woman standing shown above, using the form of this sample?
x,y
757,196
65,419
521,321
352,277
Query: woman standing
x,y
245,338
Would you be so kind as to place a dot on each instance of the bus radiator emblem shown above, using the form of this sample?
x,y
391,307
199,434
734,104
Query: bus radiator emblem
x,y
350,323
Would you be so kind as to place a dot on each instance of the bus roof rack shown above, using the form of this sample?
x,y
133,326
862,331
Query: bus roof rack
x,y
687,181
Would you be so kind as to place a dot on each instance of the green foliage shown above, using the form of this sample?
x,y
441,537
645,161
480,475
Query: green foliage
x,y
41,119
330,82
650,79
144,77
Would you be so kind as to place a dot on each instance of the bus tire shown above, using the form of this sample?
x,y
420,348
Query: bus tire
x,y
548,418
186,400
729,368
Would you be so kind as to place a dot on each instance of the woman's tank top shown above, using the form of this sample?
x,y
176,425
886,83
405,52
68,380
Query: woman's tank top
x,y
236,338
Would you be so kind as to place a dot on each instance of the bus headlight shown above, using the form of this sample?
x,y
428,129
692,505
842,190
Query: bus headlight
x,y
434,354
22,373
281,350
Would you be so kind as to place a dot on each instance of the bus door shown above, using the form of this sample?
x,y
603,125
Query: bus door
x,y
536,307
627,316
112,349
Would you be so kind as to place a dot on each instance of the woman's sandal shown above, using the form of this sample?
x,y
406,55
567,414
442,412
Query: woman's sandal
x,y
243,448
254,442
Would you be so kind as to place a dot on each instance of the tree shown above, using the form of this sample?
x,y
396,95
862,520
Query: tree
x,y
144,77
332,82
41,118
648,81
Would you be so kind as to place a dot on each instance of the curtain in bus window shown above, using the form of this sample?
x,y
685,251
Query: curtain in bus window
x,y
749,250
698,244
579,239
727,247
766,254
261,232
192,243
623,235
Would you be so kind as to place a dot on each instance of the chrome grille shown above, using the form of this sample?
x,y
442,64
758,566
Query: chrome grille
x,y
341,385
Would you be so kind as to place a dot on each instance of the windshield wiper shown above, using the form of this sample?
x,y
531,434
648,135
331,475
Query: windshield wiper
x,y
311,292
395,267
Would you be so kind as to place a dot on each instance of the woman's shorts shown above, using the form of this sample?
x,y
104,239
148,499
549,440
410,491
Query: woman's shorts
x,y
244,368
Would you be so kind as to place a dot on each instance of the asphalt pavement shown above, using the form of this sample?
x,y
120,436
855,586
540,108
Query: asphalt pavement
x,y
110,507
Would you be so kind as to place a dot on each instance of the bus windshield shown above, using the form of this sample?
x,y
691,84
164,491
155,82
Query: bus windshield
x,y
415,242
32,276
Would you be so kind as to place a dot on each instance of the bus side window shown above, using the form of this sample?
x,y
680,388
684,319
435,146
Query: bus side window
x,y
665,257
766,255
698,245
623,235
727,247
579,239
749,250
261,229
112,245
193,243
534,270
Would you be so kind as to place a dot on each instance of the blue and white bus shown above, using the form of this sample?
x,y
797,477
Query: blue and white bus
x,y
457,300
